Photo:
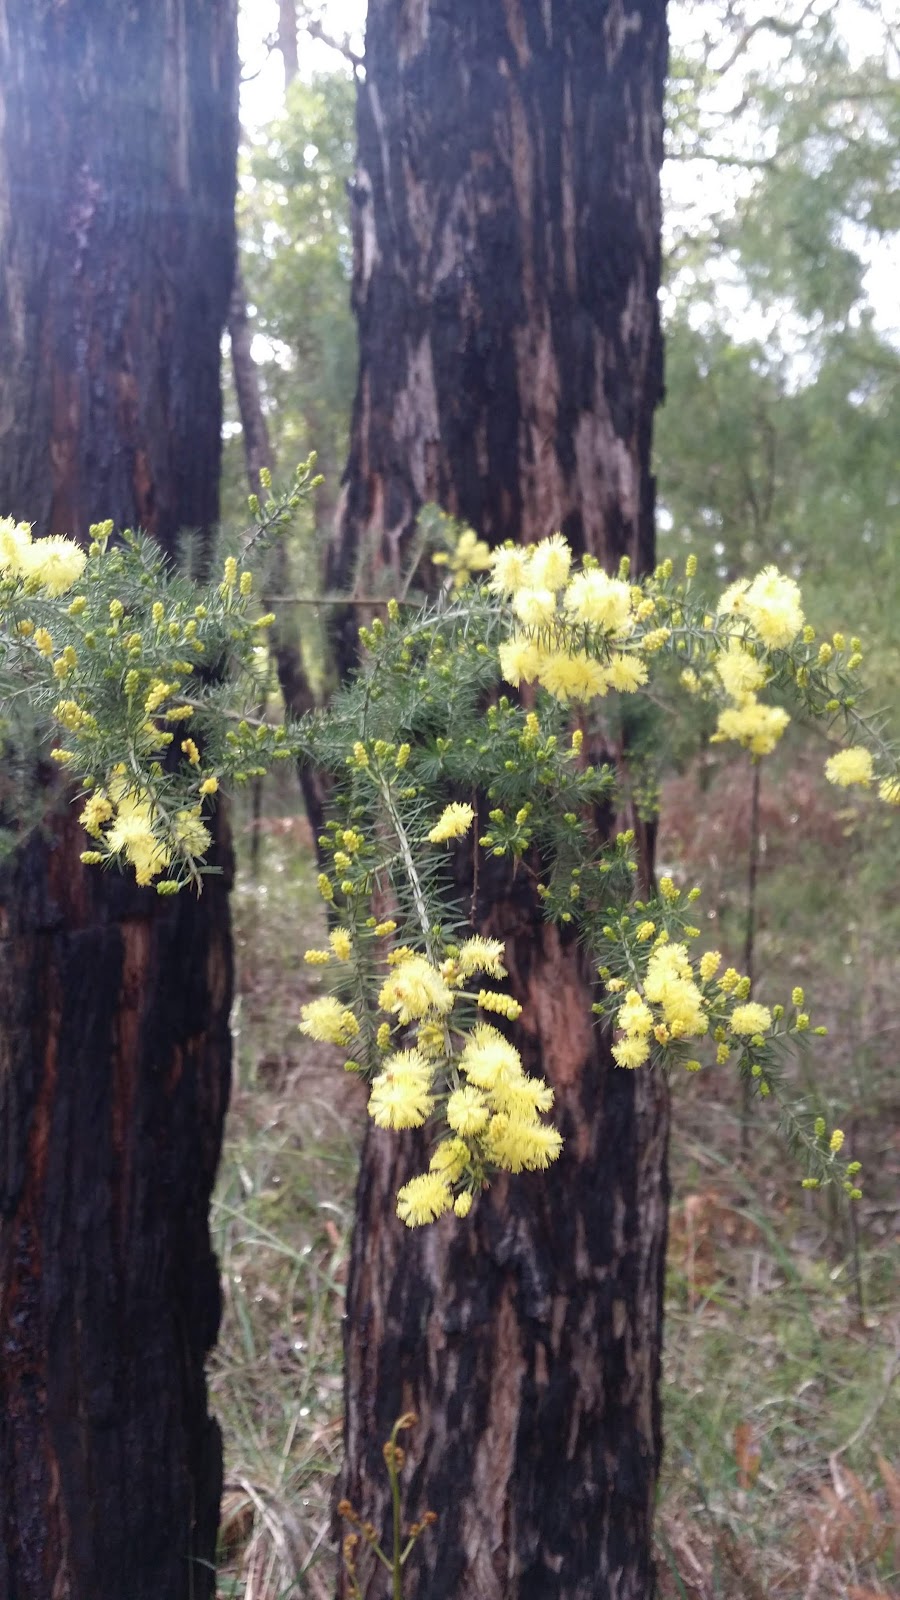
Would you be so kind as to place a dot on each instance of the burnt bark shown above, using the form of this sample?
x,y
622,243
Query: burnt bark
x,y
507,259
117,180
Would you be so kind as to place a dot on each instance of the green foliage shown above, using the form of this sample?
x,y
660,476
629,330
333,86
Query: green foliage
x,y
296,258
777,439
425,746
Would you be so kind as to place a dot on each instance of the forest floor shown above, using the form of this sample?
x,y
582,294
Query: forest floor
x,y
782,1465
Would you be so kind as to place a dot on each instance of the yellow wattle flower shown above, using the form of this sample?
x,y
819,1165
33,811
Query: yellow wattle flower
x,y
55,562
594,597
453,822
328,1021
549,563
511,572
751,1018
773,606
424,1199
572,675
401,1093
849,767
756,726
414,988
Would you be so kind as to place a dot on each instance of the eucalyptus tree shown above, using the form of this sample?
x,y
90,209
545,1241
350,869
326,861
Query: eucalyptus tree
x,y
506,221
117,184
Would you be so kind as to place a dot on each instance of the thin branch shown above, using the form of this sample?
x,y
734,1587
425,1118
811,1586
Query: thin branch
x,y
316,31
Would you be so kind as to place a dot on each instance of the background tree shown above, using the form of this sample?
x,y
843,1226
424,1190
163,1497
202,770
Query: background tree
x,y
506,229
783,368
117,179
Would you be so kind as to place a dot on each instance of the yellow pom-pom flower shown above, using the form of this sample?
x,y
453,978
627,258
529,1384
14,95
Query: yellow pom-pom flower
x,y
520,659
467,1111
97,810
739,671
633,1015
450,1159
56,563
481,955
771,604
849,767
572,675
535,607
511,570
192,834
751,1018
424,1199
329,1022
15,540
632,1051
709,964
756,726
594,597
521,1146
413,989
401,1093
549,563
489,1061
453,822
625,674
341,944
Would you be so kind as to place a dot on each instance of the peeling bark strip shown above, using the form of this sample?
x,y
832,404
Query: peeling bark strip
x,y
117,174
507,260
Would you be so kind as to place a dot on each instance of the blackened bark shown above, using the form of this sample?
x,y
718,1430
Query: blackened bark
x,y
507,223
117,178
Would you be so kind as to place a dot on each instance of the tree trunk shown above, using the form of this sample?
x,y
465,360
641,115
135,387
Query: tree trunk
x,y
287,40
507,223
258,455
117,179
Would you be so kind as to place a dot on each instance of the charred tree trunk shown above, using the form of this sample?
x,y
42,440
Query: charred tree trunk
x,y
117,179
507,222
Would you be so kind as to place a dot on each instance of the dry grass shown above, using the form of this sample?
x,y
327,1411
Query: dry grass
x,y
783,1330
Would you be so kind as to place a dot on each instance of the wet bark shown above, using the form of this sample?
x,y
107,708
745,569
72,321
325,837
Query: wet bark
x,y
117,179
507,255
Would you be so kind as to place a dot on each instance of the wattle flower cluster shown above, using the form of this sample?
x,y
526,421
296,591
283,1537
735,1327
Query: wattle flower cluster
x,y
53,564
768,615
473,1078
126,822
551,610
